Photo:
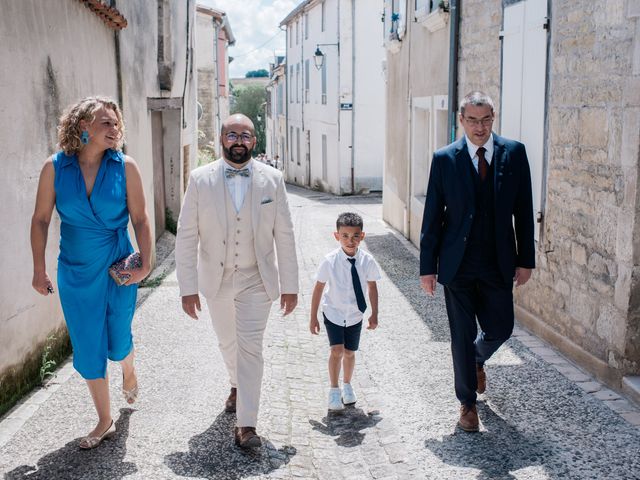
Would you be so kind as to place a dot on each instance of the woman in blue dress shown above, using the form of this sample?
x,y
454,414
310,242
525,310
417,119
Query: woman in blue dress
x,y
95,189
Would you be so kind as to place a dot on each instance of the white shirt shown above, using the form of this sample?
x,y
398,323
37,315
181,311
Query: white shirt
x,y
339,302
473,151
238,185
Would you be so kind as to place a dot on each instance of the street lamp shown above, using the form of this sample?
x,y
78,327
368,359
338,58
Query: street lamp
x,y
318,56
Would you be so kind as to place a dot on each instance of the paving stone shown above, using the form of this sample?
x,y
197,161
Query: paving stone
x,y
632,417
606,394
589,386
620,405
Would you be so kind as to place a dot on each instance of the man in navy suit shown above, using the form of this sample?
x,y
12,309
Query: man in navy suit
x,y
477,240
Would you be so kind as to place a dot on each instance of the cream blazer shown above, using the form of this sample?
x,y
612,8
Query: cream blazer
x,y
202,231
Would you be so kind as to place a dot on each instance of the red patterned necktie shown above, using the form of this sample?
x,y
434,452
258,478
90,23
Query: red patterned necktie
x,y
483,166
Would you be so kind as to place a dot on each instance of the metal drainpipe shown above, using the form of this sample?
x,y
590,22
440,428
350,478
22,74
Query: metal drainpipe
x,y
454,6
338,98
187,59
285,161
307,174
116,41
408,27
216,133
353,95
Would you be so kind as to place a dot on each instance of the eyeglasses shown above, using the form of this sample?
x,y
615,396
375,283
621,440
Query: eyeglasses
x,y
475,122
244,137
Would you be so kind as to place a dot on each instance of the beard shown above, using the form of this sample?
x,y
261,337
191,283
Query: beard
x,y
237,154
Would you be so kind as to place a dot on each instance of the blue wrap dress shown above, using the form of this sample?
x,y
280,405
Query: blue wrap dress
x,y
93,235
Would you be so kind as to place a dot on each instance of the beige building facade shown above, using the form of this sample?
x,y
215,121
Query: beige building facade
x,y
74,52
417,43
213,39
565,77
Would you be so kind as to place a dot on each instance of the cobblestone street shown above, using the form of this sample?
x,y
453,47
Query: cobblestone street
x,y
542,418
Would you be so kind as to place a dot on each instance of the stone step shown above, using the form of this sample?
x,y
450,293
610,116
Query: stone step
x,y
631,388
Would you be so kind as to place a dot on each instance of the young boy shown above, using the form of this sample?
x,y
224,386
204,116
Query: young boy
x,y
349,273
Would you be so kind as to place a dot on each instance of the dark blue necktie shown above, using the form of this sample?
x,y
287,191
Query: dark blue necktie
x,y
362,304
483,165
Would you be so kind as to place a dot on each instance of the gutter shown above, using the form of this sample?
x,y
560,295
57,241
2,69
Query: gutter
x,y
353,96
186,64
216,29
116,41
454,8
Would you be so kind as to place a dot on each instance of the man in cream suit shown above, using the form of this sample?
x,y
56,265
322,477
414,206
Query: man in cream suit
x,y
235,212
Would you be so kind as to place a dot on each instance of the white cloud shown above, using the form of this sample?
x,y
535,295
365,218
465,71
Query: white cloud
x,y
255,26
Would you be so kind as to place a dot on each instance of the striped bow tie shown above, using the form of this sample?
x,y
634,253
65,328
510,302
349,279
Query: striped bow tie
x,y
232,172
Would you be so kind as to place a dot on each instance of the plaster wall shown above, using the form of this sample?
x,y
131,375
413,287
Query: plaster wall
x,y
41,78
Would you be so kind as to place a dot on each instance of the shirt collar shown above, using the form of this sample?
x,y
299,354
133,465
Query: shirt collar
x,y
473,149
109,154
345,256
248,166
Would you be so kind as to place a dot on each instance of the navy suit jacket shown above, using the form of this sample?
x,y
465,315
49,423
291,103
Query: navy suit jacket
x,y
450,208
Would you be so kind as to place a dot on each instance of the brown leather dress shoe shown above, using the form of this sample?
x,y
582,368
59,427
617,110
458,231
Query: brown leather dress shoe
x,y
469,418
230,404
482,379
246,437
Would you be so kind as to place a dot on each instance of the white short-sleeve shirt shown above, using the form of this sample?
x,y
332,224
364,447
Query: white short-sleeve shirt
x,y
339,303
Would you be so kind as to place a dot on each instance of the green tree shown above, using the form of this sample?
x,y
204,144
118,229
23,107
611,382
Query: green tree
x,y
250,100
257,73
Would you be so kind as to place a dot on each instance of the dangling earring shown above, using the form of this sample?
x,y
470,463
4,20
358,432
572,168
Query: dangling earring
x,y
84,138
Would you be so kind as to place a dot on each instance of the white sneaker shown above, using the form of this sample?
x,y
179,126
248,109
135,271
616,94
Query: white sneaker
x,y
348,395
334,400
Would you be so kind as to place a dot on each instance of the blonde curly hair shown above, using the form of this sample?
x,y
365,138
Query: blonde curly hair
x,y
69,130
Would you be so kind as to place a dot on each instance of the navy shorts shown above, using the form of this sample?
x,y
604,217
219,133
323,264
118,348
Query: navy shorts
x,y
347,336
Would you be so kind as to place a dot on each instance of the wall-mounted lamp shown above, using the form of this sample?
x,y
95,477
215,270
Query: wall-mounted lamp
x,y
318,56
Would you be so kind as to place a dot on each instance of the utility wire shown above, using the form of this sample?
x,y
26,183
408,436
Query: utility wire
x,y
257,48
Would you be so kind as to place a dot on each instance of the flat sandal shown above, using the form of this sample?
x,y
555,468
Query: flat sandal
x,y
88,442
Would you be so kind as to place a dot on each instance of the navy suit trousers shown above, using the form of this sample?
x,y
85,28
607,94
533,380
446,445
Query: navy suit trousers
x,y
480,294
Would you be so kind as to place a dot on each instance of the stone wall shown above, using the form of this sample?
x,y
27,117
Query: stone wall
x,y
479,50
583,295
206,97
584,281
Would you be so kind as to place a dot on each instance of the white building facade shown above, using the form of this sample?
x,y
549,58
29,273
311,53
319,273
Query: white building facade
x,y
276,114
335,114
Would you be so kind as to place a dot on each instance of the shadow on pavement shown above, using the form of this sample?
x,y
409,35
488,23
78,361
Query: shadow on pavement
x,y
403,269
347,425
213,455
69,462
328,198
497,451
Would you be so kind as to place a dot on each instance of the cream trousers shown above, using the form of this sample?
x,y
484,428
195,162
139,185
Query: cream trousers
x,y
239,314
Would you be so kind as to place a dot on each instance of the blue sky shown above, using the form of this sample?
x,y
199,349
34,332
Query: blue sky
x,y
255,25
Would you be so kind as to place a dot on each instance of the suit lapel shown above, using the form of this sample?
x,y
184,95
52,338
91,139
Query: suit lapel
x,y
257,186
500,160
462,167
219,194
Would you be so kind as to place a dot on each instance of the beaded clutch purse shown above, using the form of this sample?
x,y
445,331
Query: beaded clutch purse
x,y
126,263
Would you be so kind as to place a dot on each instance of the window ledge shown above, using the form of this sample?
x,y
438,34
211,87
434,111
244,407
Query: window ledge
x,y
433,21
